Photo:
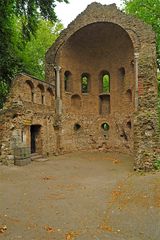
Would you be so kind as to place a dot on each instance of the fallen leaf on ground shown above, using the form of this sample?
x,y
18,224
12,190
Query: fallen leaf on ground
x,y
105,227
49,229
3,229
116,161
48,178
71,235
116,194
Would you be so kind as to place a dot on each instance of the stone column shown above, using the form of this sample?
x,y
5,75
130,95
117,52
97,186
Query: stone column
x,y
58,91
136,57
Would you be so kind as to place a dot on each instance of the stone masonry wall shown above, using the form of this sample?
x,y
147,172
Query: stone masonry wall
x,y
104,38
24,108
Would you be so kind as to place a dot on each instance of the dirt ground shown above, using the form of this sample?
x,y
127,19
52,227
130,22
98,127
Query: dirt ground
x,y
81,196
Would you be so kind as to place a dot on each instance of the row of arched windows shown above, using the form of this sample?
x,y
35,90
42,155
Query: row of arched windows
x,y
104,81
85,82
38,94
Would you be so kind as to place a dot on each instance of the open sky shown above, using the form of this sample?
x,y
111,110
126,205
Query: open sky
x,y
68,12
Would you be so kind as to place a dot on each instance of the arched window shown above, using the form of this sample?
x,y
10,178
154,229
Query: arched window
x,y
49,99
40,94
67,81
104,82
85,83
29,91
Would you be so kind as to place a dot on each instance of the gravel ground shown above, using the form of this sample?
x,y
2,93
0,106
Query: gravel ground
x,y
81,196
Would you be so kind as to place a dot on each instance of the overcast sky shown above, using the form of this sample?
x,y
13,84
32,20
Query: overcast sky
x,y
68,12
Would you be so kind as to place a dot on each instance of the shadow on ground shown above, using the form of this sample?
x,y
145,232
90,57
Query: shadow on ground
x,y
81,196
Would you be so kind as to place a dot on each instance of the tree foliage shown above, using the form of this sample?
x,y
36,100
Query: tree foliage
x,y
149,12
33,54
28,11
19,21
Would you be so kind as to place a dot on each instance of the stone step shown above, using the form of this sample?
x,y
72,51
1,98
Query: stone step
x,y
38,158
42,159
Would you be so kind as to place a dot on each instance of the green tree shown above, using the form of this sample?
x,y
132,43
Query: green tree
x,y
3,92
33,55
14,35
149,12
106,83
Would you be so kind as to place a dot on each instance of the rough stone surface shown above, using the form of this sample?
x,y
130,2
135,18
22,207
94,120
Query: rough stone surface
x,y
20,113
101,40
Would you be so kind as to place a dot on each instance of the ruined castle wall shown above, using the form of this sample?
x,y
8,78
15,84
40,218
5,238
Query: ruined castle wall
x,y
30,102
75,53
81,55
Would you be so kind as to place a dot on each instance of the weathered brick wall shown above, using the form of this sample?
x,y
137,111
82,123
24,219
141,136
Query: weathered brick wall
x,y
23,109
104,38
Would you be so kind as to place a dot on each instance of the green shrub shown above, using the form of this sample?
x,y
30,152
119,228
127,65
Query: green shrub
x,y
157,164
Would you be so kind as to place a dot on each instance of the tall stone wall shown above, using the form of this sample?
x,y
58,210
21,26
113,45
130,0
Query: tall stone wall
x,y
146,129
104,38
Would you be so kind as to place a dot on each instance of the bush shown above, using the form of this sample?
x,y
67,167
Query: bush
x,y
157,164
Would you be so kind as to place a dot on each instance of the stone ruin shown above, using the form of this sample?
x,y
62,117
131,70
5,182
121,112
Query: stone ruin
x,y
100,92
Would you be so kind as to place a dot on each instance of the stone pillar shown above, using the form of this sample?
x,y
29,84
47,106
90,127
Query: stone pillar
x,y
136,57
58,91
58,120
145,126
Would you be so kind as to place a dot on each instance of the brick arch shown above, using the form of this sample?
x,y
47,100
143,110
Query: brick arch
x,y
30,83
49,96
29,91
101,74
40,90
41,87
96,13
132,35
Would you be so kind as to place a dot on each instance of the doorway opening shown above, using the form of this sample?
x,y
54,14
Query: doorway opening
x,y
36,141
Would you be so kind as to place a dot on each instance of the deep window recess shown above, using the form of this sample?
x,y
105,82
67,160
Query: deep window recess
x,y
42,99
32,96
67,81
77,126
105,126
105,83
40,95
122,73
129,124
31,86
85,83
